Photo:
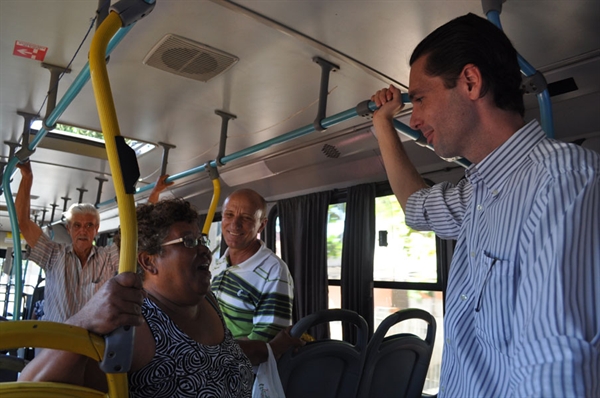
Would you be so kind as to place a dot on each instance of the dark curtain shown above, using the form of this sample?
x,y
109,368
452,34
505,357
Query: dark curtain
x,y
357,256
269,234
304,249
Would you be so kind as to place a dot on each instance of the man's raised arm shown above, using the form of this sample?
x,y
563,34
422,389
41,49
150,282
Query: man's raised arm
x,y
30,230
402,175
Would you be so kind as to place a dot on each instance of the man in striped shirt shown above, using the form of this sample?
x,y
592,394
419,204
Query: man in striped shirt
x,y
253,286
75,271
523,298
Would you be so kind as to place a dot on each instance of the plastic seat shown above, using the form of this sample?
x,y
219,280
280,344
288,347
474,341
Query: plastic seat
x,y
10,366
324,368
396,366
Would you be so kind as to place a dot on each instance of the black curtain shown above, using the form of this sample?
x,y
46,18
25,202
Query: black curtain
x,y
357,255
304,249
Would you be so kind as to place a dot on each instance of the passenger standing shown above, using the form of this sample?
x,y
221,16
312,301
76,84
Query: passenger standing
x,y
522,304
253,286
75,271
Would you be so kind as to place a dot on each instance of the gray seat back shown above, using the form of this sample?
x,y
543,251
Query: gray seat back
x,y
324,368
396,366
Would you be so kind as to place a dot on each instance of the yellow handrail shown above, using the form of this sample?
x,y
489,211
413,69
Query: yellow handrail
x,y
213,205
53,335
110,129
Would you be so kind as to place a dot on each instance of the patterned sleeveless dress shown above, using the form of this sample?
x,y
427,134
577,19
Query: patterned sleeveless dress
x,y
182,367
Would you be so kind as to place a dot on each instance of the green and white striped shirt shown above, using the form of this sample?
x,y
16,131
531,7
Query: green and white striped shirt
x,y
255,296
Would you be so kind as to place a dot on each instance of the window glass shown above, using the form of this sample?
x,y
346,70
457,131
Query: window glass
x,y
401,253
388,301
33,278
214,236
336,216
335,301
277,238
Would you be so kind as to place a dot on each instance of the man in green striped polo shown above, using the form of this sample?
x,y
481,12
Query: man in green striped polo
x,y
253,286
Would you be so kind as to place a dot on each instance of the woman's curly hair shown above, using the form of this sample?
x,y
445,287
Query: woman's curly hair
x,y
155,220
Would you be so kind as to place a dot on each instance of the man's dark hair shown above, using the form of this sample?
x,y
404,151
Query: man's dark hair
x,y
473,40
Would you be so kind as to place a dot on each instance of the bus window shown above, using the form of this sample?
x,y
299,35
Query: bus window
x,y
214,237
336,217
33,274
405,255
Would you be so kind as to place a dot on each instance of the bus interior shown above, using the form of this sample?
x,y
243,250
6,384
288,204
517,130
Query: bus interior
x,y
268,95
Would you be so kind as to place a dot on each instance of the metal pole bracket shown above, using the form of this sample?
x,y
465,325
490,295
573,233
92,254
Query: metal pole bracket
x,y
534,84
225,117
131,11
326,68
363,110
212,171
492,5
165,158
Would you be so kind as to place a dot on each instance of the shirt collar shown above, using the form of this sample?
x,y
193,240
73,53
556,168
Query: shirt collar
x,y
69,249
495,168
255,255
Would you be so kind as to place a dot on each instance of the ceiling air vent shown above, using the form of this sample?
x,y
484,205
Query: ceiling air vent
x,y
330,151
187,58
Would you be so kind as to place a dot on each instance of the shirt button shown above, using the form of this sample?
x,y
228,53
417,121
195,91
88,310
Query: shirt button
x,y
479,207
448,341
464,297
473,254
495,192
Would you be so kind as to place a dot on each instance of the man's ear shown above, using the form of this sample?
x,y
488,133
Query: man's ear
x,y
473,80
263,224
146,261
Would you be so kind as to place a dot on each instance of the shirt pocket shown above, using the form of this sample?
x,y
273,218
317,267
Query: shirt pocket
x,y
494,308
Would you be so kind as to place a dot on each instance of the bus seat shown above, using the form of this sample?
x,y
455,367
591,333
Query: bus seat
x,y
396,365
10,365
324,368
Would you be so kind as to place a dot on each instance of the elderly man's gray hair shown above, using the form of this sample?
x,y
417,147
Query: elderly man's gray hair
x,y
81,208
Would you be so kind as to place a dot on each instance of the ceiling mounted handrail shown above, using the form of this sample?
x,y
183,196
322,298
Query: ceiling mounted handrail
x,y
302,131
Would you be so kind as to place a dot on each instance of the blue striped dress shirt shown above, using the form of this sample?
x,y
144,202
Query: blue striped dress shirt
x,y
523,298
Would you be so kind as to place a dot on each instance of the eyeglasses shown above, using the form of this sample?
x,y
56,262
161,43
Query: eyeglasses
x,y
189,241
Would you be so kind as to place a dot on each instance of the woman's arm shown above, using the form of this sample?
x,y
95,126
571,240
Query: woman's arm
x,y
116,304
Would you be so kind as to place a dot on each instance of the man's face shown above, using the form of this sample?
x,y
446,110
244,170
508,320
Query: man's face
x,y
82,229
242,221
444,116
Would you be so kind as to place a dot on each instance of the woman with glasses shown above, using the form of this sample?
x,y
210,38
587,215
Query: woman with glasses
x,y
182,346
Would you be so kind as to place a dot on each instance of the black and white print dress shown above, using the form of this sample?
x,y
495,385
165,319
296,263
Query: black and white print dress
x,y
182,367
